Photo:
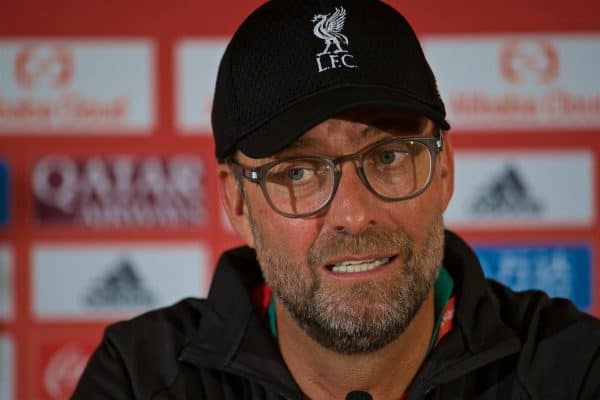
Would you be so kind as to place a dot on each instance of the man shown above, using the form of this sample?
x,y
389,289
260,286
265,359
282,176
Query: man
x,y
336,169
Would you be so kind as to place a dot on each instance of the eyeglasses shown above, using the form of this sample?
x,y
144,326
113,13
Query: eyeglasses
x,y
392,169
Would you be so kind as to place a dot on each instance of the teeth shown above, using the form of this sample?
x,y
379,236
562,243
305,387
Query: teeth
x,y
359,266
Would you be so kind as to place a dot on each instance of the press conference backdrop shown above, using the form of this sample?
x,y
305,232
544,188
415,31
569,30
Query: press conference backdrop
x,y
108,196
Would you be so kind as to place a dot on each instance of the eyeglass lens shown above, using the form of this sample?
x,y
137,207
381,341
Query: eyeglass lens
x,y
394,170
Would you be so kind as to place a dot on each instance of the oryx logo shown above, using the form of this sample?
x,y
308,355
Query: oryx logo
x,y
329,28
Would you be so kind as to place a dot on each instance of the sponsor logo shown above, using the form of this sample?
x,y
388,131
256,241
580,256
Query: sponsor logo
x,y
6,283
7,366
73,86
520,188
561,271
120,191
523,82
122,286
118,280
507,193
34,63
4,194
197,63
62,369
328,27
535,60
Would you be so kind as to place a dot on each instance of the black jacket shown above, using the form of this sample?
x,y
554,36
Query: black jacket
x,y
504,345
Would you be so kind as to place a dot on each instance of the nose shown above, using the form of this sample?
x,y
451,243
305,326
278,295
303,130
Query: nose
x,y
353,208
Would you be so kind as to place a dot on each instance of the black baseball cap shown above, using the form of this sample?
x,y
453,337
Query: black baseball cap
x,y
295,63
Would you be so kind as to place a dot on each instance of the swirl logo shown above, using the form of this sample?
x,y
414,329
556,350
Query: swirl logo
x,y
51,64
534,60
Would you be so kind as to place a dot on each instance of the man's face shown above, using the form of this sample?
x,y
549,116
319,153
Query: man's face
x,y
401,242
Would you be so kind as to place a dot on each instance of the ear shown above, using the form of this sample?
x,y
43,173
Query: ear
x,y
234,203
447,170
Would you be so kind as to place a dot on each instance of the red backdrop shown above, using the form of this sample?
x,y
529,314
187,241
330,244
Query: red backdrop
x,y
67,272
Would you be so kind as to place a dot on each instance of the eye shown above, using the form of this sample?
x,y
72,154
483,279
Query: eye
x,y
292,173
386,157
296,174
389,157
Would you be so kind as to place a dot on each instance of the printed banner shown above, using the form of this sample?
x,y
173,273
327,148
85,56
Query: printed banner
x,y
121,190
561,271
7,367
76,86
522,188
506,82
4,194
61,366
197,62
6,283
108,191
106,282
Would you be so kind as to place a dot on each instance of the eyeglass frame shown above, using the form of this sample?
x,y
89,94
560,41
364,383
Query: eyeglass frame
x,y
434,144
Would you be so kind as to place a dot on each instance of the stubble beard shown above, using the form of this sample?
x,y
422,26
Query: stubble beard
x,y
360,317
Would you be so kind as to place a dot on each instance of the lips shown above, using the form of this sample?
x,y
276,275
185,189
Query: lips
x,y
362,265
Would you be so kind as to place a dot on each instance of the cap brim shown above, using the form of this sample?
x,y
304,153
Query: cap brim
x,y
278,132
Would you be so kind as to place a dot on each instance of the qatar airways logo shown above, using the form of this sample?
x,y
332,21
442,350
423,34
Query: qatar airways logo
x,y
120,191
335,53
522,82
76,86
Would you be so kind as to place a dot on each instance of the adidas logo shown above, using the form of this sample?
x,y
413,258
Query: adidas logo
x,y
121,287
507,194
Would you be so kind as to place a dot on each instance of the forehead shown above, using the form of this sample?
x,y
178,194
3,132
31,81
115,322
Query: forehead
x,y
364,123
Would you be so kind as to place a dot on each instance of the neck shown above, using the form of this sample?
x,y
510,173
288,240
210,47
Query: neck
x,y
385,373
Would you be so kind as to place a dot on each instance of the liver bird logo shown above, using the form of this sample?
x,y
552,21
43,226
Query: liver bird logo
x,y
329,28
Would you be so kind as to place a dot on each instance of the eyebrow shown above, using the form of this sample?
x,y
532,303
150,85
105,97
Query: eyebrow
x,y
397,125
302,142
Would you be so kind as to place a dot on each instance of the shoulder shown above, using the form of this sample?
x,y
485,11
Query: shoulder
x,y
171,325
149,346
533,312
559,345
139,357
532,315
558,342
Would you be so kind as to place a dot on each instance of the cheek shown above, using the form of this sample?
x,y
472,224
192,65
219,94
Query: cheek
x,y
287,236
417,215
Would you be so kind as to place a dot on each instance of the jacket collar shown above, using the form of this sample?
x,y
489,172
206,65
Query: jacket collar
x,y
477,312
232,337
479,336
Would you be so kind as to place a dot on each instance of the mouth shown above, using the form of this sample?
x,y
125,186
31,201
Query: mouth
x,y
356,266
